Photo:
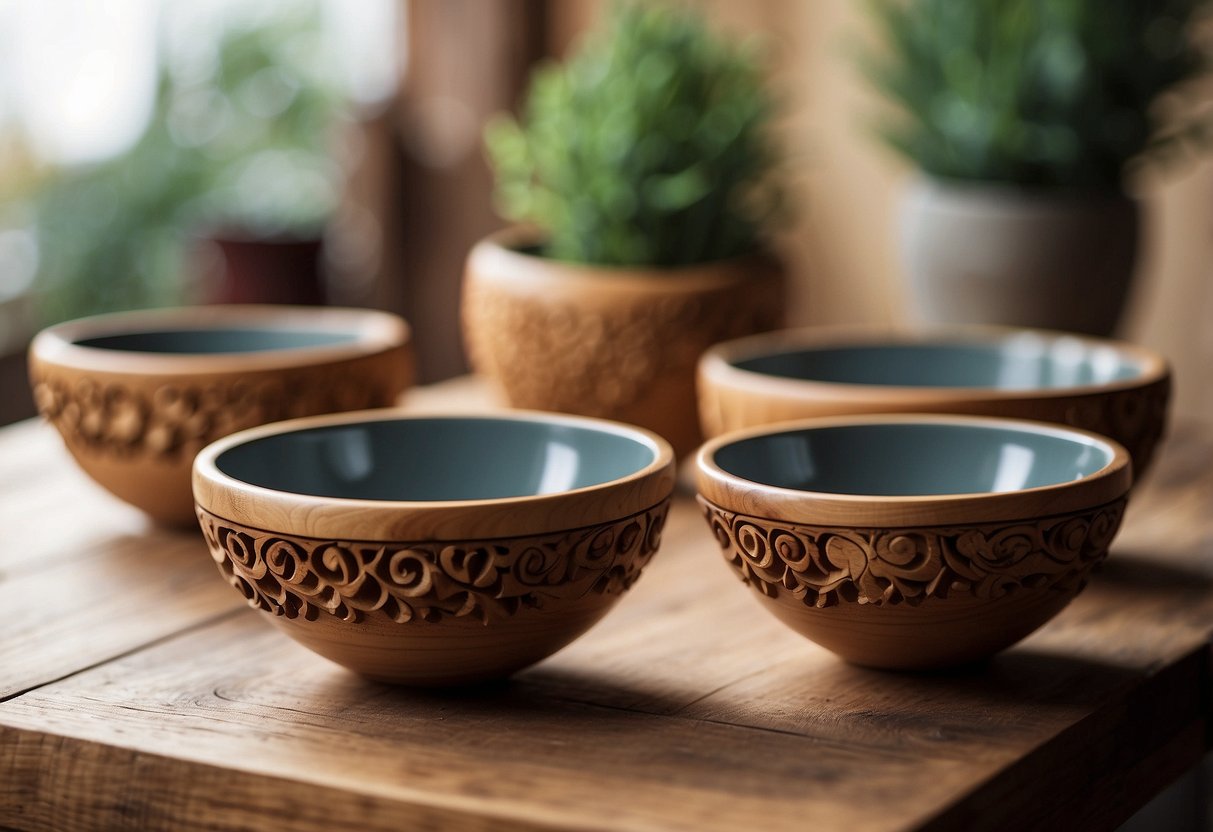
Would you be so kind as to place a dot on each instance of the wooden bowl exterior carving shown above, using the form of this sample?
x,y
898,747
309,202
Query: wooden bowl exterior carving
x,y
1131,411
441,593
913,582
608,342
134,419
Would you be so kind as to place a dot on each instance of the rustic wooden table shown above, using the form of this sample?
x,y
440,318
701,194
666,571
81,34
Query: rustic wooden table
x,y
137,691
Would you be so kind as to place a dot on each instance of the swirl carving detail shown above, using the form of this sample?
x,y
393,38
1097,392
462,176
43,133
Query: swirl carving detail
x,y
485,580
824,566
175,420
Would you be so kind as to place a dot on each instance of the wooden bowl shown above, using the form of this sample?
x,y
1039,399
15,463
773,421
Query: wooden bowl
x,y
914,541
136,395
1115,389
434,550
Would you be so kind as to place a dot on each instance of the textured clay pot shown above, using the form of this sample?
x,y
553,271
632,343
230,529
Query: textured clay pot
x,y
434,550
988,254
614,343
136,395
914,542
1112,388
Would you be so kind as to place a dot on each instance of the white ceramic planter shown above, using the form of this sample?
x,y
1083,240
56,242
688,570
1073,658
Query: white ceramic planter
x,y
976,253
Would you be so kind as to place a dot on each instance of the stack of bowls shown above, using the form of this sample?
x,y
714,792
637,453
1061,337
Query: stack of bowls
x,y
922,540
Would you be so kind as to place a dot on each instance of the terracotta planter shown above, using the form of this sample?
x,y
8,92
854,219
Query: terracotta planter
x,y
991,254
615,343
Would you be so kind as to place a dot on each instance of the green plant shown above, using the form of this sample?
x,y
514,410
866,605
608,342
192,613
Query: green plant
x,y
111,235
1056,93
261,126
244,145
648,147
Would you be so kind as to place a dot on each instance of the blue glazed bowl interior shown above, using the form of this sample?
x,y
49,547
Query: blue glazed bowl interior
x,y
436,459
1012,364
913,459
216,341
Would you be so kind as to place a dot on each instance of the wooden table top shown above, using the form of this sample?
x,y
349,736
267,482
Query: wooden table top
x,y
138,691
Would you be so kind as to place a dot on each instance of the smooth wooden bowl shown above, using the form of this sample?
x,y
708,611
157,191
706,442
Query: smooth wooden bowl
x,y
434,550
914,541
1112,388
136,395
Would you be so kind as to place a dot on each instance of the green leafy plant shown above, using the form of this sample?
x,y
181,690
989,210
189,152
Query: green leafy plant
x,y
648,147
243,146
261,126
1050,93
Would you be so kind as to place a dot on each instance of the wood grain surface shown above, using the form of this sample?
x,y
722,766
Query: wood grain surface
x,y
688,707
86,577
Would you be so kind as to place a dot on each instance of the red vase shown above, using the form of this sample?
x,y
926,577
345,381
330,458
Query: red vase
x,y
269,270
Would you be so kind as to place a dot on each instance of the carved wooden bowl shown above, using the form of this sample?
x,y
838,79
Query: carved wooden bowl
x,y
136,395
1115,389
916,541
434,550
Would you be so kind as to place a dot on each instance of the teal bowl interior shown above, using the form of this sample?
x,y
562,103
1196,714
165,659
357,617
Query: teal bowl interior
x,y
1016,363
441,458
217,340
913,458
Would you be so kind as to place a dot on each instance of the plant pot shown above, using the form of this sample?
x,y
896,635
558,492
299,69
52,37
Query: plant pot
x,y
977,253
618,343
281,270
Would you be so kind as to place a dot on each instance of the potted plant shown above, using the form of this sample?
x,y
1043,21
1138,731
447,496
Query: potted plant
x,y
1022,116
263,125
641,174
236,157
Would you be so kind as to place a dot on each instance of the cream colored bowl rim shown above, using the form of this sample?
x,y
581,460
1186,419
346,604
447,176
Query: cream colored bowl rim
x,y
719,363
502,253
733,493
372,331
319,516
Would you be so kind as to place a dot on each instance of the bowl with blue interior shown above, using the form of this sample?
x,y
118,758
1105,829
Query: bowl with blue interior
x,y
434,550
135,395
913,541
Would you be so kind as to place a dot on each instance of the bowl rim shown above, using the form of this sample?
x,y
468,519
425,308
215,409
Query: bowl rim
x,y
718,365
734,493
393,520
373,331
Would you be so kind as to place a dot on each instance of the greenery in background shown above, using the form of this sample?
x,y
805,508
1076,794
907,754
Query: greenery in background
x,y
242,146
648,147
1054,93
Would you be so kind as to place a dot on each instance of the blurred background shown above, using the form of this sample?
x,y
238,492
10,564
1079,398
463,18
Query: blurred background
x,y
155,152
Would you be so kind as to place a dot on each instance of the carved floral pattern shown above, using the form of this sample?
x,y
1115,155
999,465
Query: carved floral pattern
x,y
824,566
299,577
175,420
